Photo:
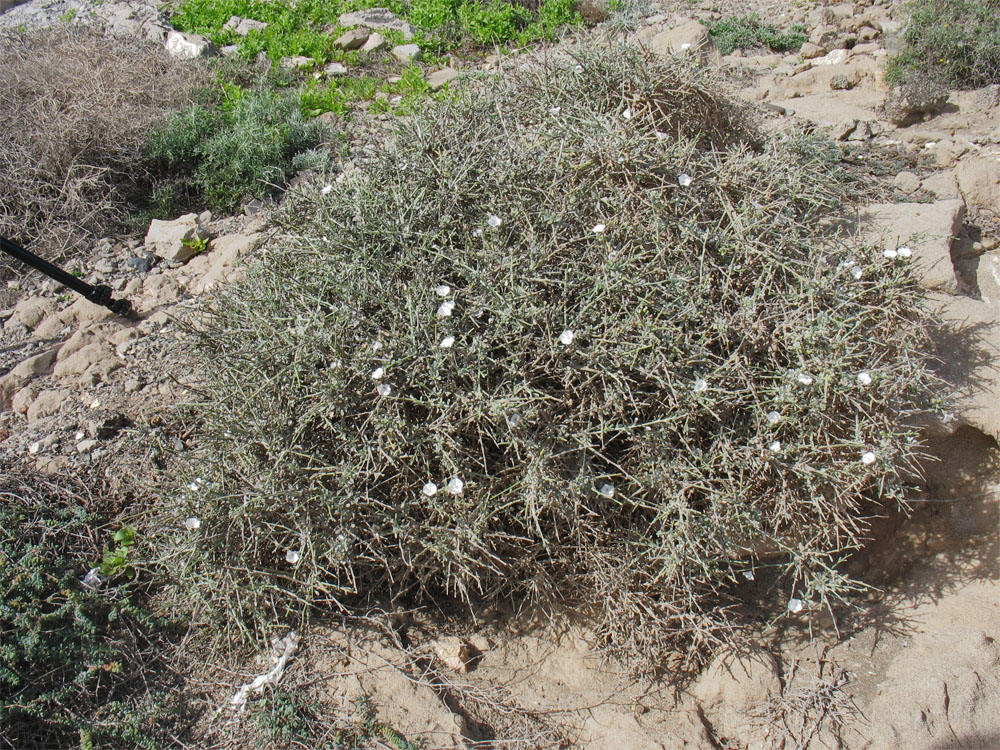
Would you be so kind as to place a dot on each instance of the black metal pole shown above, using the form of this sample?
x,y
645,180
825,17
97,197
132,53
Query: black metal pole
x,y
99,295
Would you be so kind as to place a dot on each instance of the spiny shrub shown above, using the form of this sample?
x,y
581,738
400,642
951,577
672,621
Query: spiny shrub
x,y
748,32
239,150
579,333
74,662
954,41
76,108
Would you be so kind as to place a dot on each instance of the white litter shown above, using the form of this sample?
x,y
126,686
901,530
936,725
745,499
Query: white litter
x,y
281,652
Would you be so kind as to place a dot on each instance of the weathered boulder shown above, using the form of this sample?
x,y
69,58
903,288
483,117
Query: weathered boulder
x,y
407,53
441,78
47,403
979,180
243,26
175,240
912,101
689,39
30,311
927,228
352,39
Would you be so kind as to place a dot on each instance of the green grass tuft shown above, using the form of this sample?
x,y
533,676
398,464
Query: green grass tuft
x,y
750,32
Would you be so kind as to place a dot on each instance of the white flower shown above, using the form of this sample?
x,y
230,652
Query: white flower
x,y
864,378
598,228
192,524
35,447
383,389
868,458
684,180
377,373
700,385
773,417
79,435
805,378
749,575
376,346
292,556
566,337
196,484
889,253
555,110
430,489
327,189
775,447
335,364
627,114
494,221
514,419
445,309
455,486
856,272
477,232
904,252
607,490
685,46
95,404
92,580
661,136
442,290
796,605
578,69
447,342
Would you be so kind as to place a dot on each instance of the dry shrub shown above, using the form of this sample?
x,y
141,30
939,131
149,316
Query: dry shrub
x,y
76,111
648,383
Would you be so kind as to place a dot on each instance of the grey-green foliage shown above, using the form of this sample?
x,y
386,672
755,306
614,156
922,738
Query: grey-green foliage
x,y
632,469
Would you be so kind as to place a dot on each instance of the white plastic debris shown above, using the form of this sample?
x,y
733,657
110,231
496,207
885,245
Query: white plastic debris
x,y
447,342
92,581
455,486
749,575
684,180
796,605
868,458
192,524
864,378
566,337
446,308
281,652
442,290
430,489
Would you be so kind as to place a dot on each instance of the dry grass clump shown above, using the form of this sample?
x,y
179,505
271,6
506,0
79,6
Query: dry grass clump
x,y
76,111
576,335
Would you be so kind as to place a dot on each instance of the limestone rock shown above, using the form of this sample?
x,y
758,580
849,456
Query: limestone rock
x,y
377,18
455,653
942,185
23,399
167,239
910,102
188,46
979,180
81,361
40,364
809,51
335,69
47,403
690,38
297,62
9,385
927,228
906,182
375,43
243,26
407,53
30,311
440,78
593,11
352,39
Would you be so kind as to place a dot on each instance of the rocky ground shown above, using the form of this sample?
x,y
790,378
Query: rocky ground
x,y
919,669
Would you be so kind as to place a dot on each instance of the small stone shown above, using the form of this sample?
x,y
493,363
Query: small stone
x,y
377,18
139,263
455,653
810,51
407,53
86,446
188,46
297,62
353,39
441,78
335,69
906,182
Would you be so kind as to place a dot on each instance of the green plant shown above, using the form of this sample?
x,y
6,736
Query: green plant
x,y
75,663
197,244
241,149
116,561
579,332
68,16
954,41
748,32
